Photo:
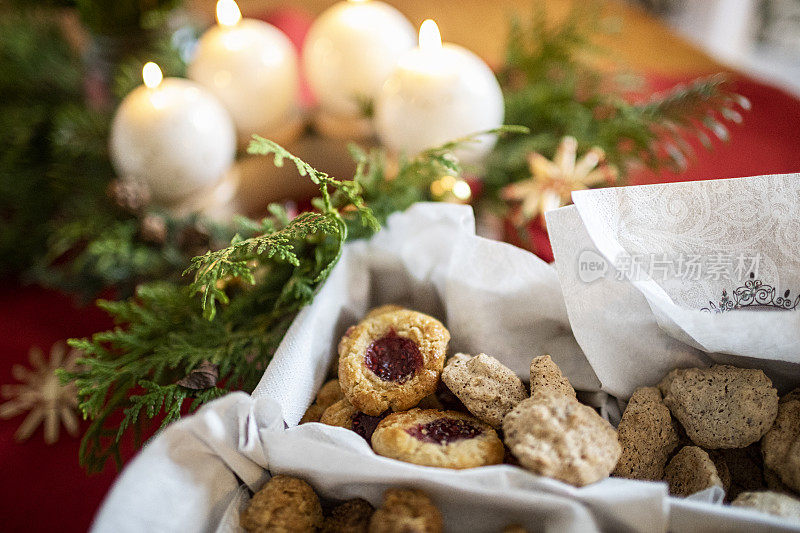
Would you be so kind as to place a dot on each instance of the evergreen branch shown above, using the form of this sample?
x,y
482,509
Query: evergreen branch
x,y
214,268
265,279
551,88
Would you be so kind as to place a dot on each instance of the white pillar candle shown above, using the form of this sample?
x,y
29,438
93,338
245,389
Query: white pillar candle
x,y
349,52
251,66
173,135
436,94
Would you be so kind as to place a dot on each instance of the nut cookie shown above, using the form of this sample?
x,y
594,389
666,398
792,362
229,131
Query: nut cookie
x,y
352,516
343,414
284,504
554,435
392,360
746,469
690,471
547,377
388,308
774,483
722,406
447,439
723,471
771,503
312,414
329,394
647,435
781,445
486,387
406,511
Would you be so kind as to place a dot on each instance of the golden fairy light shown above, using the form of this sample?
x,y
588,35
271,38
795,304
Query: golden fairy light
x,y
451,189
41,394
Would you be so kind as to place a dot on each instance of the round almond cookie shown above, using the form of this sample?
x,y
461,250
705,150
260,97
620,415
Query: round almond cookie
x,y
487,387
352,516
344,415
447,439
722,406
647,435
392,360
691,470
781,445
406,511
770,502
329,394
554,435
284,504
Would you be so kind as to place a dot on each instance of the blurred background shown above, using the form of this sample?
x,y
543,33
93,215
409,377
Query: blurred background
x,y
761,37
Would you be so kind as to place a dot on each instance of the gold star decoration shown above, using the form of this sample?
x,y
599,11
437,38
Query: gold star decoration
x,y
552,182
41,393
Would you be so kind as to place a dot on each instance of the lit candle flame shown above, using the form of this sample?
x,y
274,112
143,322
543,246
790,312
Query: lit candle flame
x,y
228,13
429,36
151,75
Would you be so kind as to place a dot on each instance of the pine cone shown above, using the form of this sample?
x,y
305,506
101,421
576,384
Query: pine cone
x,y
153,228
130,195
194,240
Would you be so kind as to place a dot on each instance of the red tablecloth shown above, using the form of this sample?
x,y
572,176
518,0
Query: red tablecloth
x,y
44,489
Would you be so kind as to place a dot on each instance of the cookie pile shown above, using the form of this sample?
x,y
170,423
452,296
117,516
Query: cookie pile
x,y
722,426
395,390
698,428
290,504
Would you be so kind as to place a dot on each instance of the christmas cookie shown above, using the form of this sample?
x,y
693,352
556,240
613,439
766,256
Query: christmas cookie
x,y
781,445
446,439
547,377
328,394
312,414
406,510
745,467
722,406
284,504
388,308
771,503
690,471
647,435
774,483
392,360
487,388
352,516
723,471
554,435
343,414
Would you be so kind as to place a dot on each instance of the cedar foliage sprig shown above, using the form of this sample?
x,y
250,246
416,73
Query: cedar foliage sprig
x,y
249,293
551,86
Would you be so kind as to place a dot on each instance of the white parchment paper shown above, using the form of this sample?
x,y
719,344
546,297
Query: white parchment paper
x,y
494,298
743,233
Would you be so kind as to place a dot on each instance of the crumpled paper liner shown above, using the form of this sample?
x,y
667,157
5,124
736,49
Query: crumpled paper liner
x,y
494,298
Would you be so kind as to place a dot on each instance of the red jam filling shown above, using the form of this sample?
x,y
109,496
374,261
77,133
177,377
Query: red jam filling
x,y
444,430
394,358
365,425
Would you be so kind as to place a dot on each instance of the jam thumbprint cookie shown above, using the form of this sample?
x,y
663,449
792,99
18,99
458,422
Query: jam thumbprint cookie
x,y
343,414
447,439
391,360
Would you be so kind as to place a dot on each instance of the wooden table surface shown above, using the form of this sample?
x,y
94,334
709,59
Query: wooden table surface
x,y
636,39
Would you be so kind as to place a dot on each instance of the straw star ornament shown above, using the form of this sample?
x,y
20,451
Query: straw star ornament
x,y
552,182
42,395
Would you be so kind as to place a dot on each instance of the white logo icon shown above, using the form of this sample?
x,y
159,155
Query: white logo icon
x,y
591,266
